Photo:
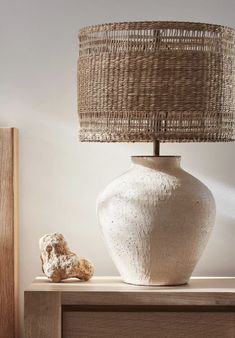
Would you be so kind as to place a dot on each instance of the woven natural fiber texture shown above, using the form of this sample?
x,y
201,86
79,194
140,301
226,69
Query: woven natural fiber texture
x,y
166,81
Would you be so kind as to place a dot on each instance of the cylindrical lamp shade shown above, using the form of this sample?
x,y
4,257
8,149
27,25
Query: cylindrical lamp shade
x,y
166,81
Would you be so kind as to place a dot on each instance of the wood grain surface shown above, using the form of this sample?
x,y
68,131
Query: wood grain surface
x,y
111,290
148,324
42,315
8,232
107,307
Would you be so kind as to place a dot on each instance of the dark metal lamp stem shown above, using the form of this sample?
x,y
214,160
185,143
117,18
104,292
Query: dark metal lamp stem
x,y
156,148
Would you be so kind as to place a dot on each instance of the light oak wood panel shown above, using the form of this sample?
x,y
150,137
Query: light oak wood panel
x,y
145,298
148,325
8,232
111,290
115,283
107,307
42,315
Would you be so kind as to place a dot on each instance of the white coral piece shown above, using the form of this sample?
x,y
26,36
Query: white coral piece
x,y
58,262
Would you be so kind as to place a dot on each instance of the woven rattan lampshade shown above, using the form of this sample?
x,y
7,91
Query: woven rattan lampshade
x,y
166,81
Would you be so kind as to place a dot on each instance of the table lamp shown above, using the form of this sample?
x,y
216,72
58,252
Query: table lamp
x,y
156,82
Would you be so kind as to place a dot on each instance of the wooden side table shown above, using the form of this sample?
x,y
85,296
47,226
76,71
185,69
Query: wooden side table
x,y
106,307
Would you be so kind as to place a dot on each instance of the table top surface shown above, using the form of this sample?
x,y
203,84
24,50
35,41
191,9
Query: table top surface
x,y
115,284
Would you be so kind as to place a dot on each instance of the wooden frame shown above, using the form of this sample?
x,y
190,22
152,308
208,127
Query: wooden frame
x,y
107,307
8,232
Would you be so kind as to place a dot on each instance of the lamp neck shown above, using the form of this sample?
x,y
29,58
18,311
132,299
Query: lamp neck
x,y
160,163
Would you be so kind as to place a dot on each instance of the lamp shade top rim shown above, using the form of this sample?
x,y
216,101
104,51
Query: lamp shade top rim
x,y
126,25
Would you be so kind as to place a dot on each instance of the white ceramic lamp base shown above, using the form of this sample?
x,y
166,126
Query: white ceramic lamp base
x,y
156,219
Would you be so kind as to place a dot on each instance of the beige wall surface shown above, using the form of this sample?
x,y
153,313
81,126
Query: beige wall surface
x,y
60,178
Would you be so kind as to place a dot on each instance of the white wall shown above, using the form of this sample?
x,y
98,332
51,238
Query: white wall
x,y
60,178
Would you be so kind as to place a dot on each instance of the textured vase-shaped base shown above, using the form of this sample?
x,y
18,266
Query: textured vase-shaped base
x,y
156,219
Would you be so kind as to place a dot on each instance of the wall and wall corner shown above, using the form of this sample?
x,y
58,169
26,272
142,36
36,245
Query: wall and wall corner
x,y
60,178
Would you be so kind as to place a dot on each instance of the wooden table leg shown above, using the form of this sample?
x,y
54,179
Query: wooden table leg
x,y
42,314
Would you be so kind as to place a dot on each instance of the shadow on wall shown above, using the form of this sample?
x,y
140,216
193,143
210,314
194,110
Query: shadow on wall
x,y
213,164
219,251
214,160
